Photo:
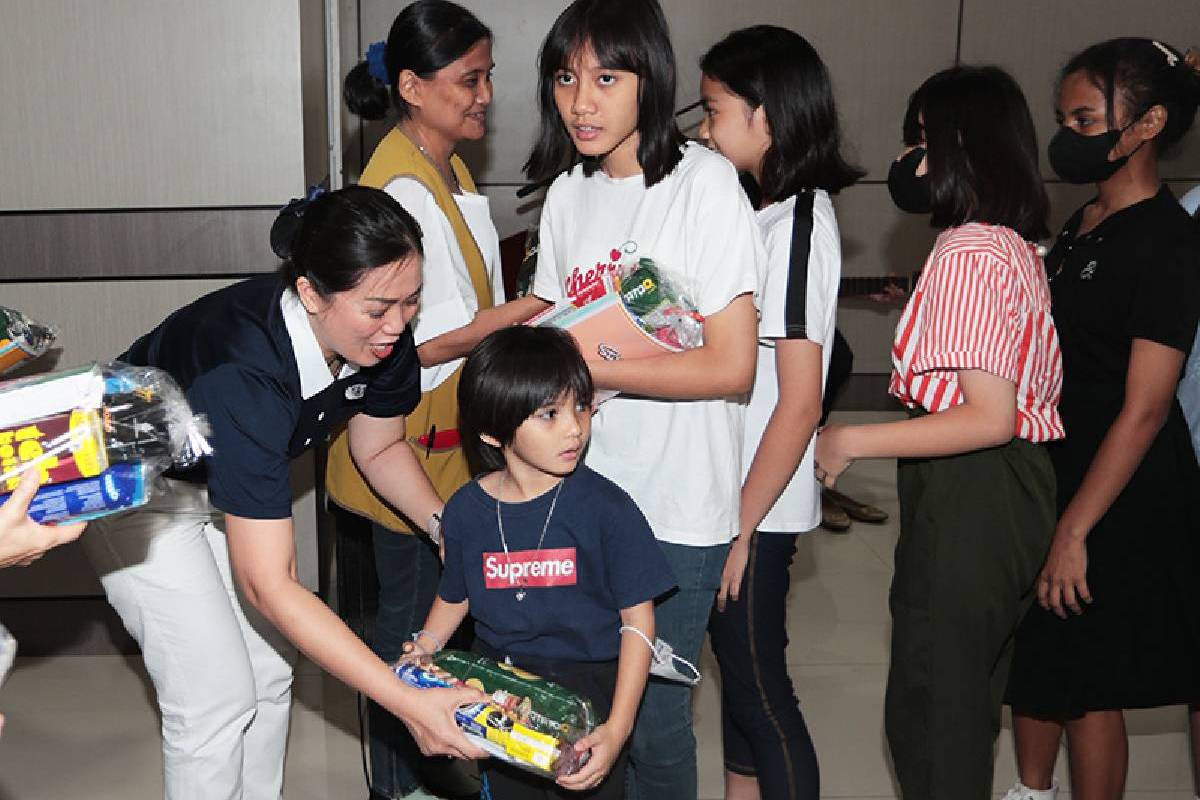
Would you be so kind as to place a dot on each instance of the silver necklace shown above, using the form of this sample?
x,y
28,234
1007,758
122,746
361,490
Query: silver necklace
x,y
504,543
449,177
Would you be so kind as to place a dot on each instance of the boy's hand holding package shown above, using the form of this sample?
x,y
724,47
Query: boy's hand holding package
x,y
604,745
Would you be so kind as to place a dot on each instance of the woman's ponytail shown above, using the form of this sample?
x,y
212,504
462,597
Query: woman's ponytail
x,y
366,96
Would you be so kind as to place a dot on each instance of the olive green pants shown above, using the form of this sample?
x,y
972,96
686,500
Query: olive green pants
x,y
974,531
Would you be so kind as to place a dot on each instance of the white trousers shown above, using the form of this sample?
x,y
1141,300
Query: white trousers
x,y
223,674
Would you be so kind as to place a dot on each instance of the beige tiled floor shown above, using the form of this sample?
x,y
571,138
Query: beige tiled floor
x,y
84,727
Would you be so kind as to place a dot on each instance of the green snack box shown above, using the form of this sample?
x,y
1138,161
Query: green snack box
x,y
544,705
525,720
642,290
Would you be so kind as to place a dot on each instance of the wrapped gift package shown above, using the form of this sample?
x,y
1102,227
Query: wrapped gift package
x,y
526,720
639,311
98,435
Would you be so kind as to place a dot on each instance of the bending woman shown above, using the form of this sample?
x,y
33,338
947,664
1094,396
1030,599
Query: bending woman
x,y
204,577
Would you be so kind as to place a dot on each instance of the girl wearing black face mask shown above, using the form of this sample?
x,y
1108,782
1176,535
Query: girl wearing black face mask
x,y
1118,619
976,362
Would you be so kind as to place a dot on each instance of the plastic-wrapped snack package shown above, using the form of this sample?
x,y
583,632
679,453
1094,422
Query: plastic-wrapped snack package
x,y
637,311
98,435
660,304
526,720
22,338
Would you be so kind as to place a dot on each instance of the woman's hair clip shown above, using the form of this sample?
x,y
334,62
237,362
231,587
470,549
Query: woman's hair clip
x,y
287,224
377,63
1172,58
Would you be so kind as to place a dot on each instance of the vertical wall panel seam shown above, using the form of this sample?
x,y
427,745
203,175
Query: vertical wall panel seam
x,y
959,35
362,146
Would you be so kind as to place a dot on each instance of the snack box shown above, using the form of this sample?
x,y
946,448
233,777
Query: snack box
x,y
118,488
526,720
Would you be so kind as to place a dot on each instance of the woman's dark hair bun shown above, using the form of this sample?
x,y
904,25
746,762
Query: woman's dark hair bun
x,y
365,95
287,225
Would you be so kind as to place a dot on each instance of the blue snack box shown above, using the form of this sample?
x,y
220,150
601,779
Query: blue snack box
x,y
120,487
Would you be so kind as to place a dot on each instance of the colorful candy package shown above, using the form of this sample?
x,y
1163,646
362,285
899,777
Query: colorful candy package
x,y
21,338
98,435
659,304
636,311
527,720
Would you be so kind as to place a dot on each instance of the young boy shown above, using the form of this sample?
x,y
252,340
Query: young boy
x,y
550,558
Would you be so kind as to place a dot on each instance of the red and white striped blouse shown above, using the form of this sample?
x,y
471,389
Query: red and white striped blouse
x,y
983,303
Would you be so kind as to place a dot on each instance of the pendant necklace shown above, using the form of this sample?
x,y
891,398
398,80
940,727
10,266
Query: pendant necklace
x,y
449,177
504,543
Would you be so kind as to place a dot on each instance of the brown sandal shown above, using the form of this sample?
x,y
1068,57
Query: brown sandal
x,y
861,512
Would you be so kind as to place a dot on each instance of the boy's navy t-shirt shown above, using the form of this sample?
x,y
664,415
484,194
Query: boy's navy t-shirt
x,y
599,556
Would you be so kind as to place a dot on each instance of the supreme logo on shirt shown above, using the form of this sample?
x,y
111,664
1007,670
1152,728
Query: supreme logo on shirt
x,y
534,568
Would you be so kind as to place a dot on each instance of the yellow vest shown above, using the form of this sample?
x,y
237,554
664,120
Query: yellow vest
x,y
397,157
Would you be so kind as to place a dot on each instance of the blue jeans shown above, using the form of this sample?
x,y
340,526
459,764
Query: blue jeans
x,y
408,569
762,729
662,758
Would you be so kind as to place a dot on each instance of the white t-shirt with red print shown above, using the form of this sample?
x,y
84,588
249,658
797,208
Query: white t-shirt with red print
x,y
680,460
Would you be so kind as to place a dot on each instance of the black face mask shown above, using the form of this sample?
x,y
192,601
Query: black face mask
x,y
910,192
1084,159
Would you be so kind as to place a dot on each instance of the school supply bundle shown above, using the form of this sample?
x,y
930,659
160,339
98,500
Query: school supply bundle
x,y
641,310
98,435
22,338
526,720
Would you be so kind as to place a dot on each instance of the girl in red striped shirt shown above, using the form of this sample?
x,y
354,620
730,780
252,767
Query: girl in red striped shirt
x,y
977,365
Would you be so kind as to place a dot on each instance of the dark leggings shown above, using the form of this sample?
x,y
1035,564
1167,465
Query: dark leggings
x,y
763,731
595,681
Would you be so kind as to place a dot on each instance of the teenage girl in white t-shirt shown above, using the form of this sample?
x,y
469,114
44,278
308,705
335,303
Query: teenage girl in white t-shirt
x,y
769,109
673,438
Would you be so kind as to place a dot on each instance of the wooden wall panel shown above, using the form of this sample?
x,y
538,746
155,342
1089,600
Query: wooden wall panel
x,y
149,103
124,244
99,319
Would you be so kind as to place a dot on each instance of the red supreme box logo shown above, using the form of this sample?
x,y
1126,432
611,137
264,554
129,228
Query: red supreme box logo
x,y
529,568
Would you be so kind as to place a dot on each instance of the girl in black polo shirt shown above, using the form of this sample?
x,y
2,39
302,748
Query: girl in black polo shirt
x,y
1116,624
276,363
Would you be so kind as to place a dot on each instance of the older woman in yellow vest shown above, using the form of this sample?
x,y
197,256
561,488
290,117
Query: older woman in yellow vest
x,y
434,71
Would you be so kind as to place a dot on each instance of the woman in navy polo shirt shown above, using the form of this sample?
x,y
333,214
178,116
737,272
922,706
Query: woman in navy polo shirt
x,y
276,363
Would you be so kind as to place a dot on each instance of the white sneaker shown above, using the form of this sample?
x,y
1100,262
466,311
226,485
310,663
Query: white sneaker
x,y
421,793
1022,792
